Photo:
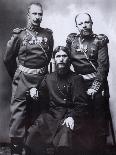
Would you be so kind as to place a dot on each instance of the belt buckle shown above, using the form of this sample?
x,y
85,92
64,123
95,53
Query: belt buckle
x,y
42,70
36,71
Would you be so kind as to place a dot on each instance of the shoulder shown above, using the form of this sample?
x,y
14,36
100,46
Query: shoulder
x,y
72,35
102,39
50,76
48,30
18,30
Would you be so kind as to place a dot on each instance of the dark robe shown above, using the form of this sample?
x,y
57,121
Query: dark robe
x,y
60,97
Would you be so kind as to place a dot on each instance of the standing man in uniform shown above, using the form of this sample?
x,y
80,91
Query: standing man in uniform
x,y
89,57
27,57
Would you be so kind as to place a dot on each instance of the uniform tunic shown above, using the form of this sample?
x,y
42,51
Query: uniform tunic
x,y
89,56
32,49
64,97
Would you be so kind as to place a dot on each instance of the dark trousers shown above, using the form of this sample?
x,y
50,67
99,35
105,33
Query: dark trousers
x,y
19,107
98,116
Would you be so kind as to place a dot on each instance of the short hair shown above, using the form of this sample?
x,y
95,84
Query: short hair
x,y
33,3
63,48
80,14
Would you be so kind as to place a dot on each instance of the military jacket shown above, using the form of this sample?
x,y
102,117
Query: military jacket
x,y
96,51
32,48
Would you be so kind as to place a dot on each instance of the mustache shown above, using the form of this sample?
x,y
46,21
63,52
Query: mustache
x,y
37,20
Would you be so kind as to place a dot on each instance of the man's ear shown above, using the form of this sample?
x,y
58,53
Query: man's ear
x,y
91,22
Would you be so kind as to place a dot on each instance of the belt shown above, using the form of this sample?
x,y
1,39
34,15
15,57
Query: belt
x,y
32,71
89,76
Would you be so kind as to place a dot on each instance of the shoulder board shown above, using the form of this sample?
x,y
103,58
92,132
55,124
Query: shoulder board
x,y
18,30
49,30
103,39
71,37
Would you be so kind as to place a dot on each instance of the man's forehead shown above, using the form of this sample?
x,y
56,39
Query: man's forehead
x,y
35,7
83,17
61,52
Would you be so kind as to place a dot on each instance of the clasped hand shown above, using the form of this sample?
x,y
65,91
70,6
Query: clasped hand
x,y
91,92
34,93
69,122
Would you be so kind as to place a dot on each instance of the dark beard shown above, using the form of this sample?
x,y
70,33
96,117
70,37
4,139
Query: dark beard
x,y
62,72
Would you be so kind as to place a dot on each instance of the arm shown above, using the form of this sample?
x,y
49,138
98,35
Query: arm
x,y
70,39
79,108
79,98
51,44
11,54
103,65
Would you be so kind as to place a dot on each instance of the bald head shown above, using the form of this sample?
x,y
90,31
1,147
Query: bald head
x,y
84,24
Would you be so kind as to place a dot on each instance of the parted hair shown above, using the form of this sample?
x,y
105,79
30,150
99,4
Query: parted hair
x,y
58,48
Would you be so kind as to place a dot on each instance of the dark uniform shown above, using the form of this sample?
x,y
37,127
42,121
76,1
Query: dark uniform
x,y
65,97
89,57
27,57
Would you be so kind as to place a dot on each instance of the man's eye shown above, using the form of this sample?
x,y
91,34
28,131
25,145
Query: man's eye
x,y
87,22
80,24
64,56
40,14
34,13
58,56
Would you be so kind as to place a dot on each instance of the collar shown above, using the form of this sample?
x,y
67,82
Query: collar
x,y
87,37
33,28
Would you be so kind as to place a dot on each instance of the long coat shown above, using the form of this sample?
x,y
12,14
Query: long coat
x,y
64,97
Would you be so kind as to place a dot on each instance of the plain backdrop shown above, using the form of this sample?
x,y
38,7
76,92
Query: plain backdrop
x,y
58,16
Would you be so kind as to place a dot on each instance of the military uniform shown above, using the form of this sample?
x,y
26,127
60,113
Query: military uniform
x,y
89,57
27,57
65,97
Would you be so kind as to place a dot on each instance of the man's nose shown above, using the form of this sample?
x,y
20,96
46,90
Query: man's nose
x,y
84,25
38,16
61,59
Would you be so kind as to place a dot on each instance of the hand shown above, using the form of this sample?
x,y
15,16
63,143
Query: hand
x,y
69,122
34,93
91,92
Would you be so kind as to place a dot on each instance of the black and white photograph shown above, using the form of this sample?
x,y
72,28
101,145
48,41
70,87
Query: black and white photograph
x,y
57,77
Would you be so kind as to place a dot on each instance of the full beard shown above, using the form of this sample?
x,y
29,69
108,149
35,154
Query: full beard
x,y
62,70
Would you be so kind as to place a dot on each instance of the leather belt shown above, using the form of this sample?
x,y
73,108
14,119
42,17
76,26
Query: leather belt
x,y
32,71
89,76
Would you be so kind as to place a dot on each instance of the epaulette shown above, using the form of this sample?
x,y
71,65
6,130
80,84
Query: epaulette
x,y
49,30
71,37
103,39
18,30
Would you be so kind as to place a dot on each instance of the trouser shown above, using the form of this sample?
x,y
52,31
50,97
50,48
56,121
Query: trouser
x,y
98,110
19,121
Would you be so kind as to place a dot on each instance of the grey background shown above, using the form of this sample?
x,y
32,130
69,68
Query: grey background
x,y
59,16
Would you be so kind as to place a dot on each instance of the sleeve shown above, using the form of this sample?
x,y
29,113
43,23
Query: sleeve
x,y
44,95
51,44
103,62
11,54
79,99
70,39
